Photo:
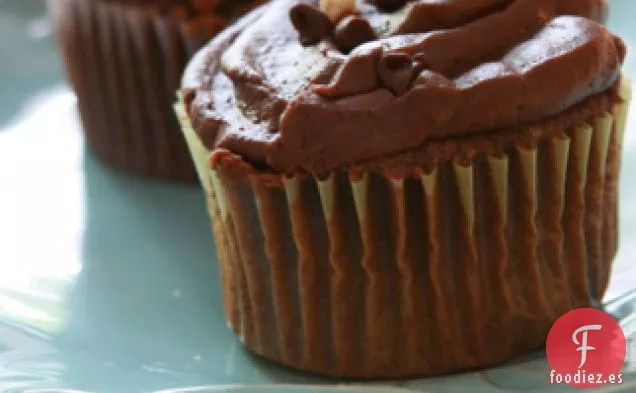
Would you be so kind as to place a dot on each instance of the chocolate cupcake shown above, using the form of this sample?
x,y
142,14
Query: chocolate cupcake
x,y
124,61
409,188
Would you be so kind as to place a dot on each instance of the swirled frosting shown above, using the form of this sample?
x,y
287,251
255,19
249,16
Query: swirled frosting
x,y
434,69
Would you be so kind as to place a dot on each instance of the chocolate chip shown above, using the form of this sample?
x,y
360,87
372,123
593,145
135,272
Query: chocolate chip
x,y
311,23
388,5
396,71
351,32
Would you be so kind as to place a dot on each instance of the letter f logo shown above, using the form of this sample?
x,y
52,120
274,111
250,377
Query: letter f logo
x,y
569,345
584,348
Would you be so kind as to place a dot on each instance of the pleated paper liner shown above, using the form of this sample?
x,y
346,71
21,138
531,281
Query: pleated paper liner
x,y
374,277
125,63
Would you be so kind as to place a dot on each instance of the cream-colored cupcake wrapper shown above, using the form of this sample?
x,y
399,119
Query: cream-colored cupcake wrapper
x,y
465,267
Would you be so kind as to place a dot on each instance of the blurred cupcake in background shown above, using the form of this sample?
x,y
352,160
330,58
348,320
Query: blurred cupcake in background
x,y
124,59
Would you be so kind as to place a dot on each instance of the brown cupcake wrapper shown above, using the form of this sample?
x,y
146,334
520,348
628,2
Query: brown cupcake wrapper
x,y
465,267
125,64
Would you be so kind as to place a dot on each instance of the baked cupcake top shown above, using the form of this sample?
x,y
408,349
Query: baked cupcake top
x,y
191,8
311,86
203,18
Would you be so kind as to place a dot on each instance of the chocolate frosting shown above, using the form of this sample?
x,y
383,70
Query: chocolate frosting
x,y
436,69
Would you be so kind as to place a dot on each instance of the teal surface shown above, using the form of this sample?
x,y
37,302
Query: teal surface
x,y
108,282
